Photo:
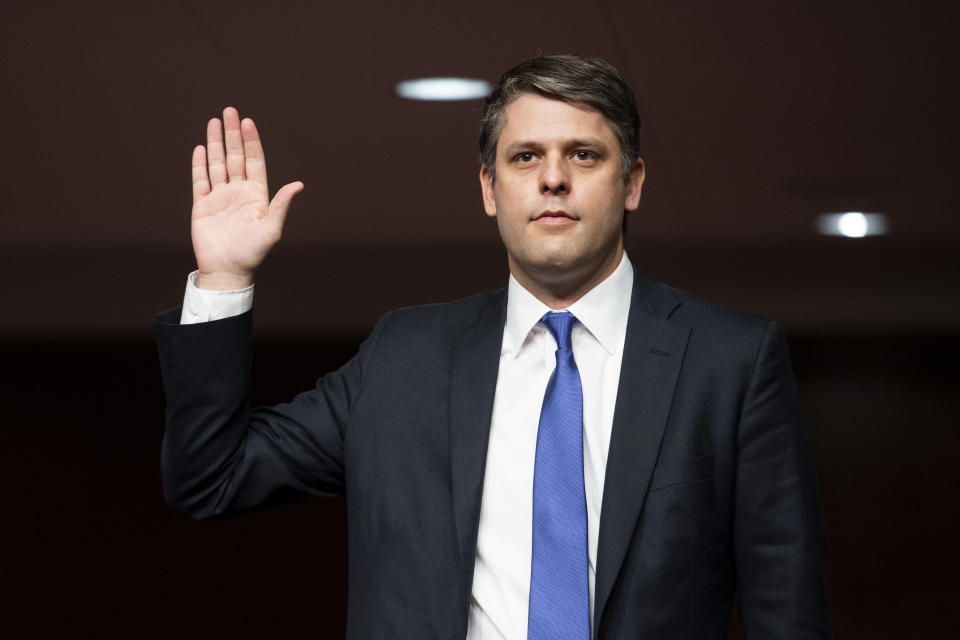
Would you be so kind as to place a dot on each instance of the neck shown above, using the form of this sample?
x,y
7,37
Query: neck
x,y
558,289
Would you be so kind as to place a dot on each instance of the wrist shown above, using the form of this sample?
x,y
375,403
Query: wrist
x,y
219,281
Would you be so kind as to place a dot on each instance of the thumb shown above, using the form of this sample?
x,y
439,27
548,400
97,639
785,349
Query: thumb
x,y
281,201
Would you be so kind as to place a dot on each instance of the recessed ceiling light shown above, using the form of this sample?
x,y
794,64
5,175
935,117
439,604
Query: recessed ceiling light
x,y
852,224
443,89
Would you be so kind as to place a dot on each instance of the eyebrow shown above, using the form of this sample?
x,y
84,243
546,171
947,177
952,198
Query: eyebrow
x,y
523,145
594,143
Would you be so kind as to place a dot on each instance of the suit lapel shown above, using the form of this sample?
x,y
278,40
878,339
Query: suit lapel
x,y
475,360
652,356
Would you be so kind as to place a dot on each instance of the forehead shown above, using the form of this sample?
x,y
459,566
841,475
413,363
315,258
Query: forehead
x,y
536,118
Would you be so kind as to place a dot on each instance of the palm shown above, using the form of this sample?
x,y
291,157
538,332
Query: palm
x,y
231,229
234,224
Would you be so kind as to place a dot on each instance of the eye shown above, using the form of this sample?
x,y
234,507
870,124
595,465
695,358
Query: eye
x,y
585,156
526,156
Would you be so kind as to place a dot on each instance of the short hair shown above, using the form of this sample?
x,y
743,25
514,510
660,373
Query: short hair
x,y
570,78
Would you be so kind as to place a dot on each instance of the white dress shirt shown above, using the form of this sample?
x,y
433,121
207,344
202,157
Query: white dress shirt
x,y
501,577
501,581
204,305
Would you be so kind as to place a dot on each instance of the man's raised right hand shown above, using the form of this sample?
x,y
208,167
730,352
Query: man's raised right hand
x,y
233,224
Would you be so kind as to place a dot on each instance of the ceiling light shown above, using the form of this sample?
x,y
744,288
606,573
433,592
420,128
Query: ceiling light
x,y
852,224
443,89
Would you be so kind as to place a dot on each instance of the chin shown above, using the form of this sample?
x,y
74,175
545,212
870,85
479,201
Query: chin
x,y
555,263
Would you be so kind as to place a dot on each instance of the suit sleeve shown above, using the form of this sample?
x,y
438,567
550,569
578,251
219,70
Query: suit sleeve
x,y
220,457
778,526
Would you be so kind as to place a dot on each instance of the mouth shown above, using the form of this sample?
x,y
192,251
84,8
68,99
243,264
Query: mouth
x,y
554,216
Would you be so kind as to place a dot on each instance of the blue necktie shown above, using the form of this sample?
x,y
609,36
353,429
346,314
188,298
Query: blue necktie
x,y
559,591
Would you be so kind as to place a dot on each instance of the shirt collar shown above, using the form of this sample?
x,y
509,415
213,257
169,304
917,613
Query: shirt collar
x,y
602,311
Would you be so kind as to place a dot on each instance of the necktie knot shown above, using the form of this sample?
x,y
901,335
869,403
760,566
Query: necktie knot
x,y
560,325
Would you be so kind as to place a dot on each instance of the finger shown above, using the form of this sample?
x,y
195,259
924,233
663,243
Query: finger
x,y
231,133
256,166
201,183
281,202
218,173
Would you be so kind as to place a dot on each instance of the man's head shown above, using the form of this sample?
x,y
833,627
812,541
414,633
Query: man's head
x,y
590,81
559,170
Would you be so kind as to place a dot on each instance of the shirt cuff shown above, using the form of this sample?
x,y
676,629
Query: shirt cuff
x,y
204,305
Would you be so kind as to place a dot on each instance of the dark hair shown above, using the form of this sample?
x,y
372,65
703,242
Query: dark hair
x,y
570,78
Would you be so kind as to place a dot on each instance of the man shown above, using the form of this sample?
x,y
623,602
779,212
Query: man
x,y
587,453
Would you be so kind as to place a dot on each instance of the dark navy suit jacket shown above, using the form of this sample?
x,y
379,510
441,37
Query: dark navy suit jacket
x,y
709,491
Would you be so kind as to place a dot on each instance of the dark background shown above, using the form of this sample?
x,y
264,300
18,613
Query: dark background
x,y
757,117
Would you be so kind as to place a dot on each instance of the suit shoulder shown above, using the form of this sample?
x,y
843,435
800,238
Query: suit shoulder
x,y
702,309
443,317
724,336
711,320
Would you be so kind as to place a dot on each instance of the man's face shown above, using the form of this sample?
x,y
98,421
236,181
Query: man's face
x,y
559,194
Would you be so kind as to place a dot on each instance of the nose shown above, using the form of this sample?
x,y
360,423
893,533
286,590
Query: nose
x,y
554,178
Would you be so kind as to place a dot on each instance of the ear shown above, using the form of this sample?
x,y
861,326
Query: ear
x,y
486,188
634,186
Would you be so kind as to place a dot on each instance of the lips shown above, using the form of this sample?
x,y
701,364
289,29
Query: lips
x,y
554,215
